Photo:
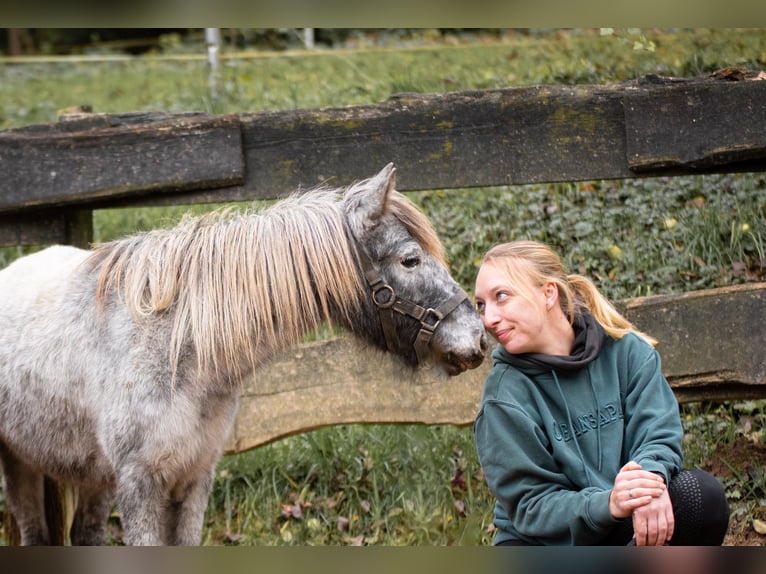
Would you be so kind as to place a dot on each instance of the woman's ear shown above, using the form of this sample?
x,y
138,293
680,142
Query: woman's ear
x,y
551,293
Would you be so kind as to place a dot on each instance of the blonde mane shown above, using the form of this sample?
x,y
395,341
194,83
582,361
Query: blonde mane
x,y
240,286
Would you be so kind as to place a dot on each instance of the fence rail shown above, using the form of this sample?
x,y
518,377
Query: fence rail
x,y
651,127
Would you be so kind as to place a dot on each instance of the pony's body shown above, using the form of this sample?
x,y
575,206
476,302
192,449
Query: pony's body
x,y
121,368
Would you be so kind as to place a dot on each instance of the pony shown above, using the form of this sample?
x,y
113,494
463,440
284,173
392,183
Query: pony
x,y
121,366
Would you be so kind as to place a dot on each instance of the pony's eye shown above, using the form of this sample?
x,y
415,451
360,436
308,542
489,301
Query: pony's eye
x,y
411,261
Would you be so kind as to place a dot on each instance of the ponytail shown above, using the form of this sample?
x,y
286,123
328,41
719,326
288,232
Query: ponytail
x,y
603,311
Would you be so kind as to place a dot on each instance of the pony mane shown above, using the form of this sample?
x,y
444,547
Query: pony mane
x,y
418,226
240,286
230,279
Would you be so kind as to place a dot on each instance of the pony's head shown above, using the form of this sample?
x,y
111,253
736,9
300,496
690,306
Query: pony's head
x,y
415,308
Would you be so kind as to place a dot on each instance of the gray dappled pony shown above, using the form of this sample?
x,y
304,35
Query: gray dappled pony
x,y
121,367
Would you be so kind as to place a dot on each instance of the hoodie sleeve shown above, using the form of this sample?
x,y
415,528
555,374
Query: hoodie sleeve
x,y
653,431
541,505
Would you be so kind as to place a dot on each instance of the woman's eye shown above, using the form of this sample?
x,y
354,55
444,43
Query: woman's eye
x,y
411,261
502,295
480,307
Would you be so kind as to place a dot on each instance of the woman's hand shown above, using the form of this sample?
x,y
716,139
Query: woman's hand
x,y
654,522
634,488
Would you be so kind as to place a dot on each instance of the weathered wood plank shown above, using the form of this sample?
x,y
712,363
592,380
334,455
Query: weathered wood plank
x,y
711,344
438,141
696,125
711,341
69,226
54,165
40,228
464,139
334,382
486,138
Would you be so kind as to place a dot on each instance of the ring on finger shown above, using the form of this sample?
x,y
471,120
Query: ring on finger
x,y
630,493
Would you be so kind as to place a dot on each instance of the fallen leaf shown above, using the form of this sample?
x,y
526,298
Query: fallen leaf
x,y
731,74
670,222
759,526
738,268
458,483
698,202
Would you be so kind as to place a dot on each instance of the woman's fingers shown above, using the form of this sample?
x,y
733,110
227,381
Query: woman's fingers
x,y
654,524
650,491
634,488
630,465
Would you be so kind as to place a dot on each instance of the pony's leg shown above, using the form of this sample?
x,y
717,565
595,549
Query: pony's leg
x,y
24,494
187,513
143,507
89,522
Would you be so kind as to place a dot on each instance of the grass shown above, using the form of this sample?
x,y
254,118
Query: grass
x,y
354,485
32,94
422,485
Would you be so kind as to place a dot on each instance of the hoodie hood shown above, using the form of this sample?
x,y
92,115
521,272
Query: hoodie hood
x,y
589,339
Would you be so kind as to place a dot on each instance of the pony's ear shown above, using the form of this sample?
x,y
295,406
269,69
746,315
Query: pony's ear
x,y
366,202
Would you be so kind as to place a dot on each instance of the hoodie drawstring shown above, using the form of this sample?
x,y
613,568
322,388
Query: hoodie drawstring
x,y
572,424
598,416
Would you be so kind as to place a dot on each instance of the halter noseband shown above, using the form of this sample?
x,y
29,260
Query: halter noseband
x,y
387,301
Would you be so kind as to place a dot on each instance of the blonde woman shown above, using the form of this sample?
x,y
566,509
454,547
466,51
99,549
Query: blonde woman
x,y
578,431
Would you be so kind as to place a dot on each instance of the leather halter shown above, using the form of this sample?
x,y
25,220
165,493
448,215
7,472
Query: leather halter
x,y
387,301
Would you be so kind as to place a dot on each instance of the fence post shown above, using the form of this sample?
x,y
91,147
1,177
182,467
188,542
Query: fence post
x,y
79,228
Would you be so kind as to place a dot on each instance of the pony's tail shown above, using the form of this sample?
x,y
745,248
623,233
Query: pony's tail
x,y
603,311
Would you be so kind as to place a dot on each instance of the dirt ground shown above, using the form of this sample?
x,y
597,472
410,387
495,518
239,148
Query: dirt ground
x,y
748,458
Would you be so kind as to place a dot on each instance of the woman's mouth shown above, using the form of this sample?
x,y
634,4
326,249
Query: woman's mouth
x,y
503,335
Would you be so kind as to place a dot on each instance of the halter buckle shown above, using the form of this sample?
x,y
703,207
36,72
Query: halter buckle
x,y
431,319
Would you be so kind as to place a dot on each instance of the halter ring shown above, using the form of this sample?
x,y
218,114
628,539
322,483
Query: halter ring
x,y
387,303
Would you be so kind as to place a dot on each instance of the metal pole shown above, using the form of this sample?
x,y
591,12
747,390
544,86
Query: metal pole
x,y
308,38
213,42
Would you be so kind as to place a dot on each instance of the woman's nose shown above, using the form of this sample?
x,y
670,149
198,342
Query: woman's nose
x,y
489,316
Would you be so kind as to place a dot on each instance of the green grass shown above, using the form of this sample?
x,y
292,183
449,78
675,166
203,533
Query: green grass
x,y
359,484
273,81
412,484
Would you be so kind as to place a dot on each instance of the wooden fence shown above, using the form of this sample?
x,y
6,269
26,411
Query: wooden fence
x,y
54,176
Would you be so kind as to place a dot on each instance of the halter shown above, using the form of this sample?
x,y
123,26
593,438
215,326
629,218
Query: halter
x,y
387,301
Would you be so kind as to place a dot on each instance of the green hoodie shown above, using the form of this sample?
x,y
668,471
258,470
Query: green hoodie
x,y
552,433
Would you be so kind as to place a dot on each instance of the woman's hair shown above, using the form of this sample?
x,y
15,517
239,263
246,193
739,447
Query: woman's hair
x,y
540,264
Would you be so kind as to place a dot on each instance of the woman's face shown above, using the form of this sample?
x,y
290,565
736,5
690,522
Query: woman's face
x,y
516,321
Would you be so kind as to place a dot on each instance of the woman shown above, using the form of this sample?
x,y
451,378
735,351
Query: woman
x,y
578,431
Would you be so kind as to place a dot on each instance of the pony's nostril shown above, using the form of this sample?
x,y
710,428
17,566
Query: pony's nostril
x,y
483,344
